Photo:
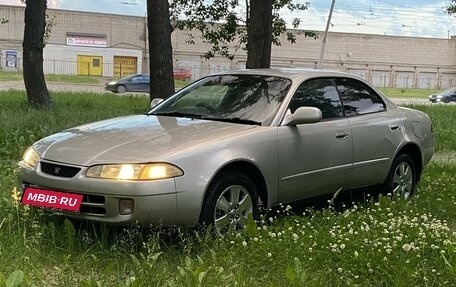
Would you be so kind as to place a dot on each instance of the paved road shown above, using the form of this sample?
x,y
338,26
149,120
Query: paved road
x,y
99,88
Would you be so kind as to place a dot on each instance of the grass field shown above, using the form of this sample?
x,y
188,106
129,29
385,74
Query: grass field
x,y
357,242
17,76
408,93
74,79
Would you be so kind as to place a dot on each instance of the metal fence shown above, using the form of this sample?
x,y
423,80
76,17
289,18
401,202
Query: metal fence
x,y
378,78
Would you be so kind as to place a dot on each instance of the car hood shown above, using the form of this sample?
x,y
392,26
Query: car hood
x,y
438,94
134,139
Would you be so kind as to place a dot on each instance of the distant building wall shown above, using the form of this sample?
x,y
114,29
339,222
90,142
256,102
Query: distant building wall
x,y
385,61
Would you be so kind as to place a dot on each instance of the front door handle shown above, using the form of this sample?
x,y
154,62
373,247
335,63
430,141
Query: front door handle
x,y
341,135
395,127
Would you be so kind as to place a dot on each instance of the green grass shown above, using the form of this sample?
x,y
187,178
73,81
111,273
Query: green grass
x,y
444,125
10,76
365,243
72,79
408,93
17,76
179,84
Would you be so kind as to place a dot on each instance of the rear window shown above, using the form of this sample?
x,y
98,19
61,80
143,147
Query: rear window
x,y
358,98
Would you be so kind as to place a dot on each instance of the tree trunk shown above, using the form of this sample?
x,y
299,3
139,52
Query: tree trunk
x,y
33,45
160,49
259,36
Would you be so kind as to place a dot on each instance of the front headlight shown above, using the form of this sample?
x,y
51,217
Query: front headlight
x,y
145,171
31,157
112,83
439,97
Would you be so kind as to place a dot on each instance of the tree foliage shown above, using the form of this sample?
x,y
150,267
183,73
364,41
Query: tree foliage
x,y
451,7
50,23
223,23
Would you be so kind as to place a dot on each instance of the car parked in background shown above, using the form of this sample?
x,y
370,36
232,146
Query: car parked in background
x,y
446,96
132,83
141,82
220,148
182,74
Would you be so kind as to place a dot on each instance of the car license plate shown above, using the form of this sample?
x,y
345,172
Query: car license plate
x,y
51,199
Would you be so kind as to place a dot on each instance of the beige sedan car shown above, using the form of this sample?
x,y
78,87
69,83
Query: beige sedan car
x,y
225,145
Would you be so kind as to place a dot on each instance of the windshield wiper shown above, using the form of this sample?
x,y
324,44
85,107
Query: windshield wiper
x,y
234,120
176,114
197,116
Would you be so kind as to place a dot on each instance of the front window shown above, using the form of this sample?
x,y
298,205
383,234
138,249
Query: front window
x,y
237,98
318,93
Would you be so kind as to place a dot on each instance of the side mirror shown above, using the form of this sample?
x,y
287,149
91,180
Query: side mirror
x,y
155,102
303,115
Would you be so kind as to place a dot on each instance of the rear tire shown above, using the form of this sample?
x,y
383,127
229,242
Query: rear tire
x,y
402,178
230,199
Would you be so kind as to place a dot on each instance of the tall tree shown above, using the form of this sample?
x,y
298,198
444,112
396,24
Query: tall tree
x,y
32,48
227,26
259,34
160,49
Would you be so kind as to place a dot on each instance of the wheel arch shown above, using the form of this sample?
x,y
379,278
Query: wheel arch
x,y
414,151
249,169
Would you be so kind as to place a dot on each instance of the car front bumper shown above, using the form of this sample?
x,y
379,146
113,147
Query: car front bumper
x,y
154,202
111,88
440,100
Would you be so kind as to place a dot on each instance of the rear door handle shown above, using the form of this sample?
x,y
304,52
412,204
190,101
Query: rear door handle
x,y
341,135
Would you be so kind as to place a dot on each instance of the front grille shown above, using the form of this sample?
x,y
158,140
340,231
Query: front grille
x,y
59,170
93,205
90,198
92,210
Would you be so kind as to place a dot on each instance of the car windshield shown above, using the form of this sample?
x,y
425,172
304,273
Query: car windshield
x,y
248,99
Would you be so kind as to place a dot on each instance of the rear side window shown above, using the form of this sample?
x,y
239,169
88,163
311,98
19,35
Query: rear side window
x,y
318,93
358,98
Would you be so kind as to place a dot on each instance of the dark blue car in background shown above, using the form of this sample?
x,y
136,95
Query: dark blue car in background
x,y
132,83
446,96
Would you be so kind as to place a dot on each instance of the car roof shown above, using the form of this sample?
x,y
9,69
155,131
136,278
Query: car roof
x,y
301,74
294,73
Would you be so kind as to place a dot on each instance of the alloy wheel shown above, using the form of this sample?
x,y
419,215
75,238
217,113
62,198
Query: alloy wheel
x,y
403,180
232,208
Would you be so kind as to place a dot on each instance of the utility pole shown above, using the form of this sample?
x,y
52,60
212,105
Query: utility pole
x,y
323,43
145,63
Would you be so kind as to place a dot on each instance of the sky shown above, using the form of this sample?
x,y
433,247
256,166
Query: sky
x,y
417,18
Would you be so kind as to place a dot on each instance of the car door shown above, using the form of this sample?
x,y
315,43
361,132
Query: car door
x,y
453,96
145,84
137,84
315,158
377,132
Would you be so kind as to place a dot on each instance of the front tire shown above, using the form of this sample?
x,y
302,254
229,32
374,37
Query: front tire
x,y
230,199
402,178
121,89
